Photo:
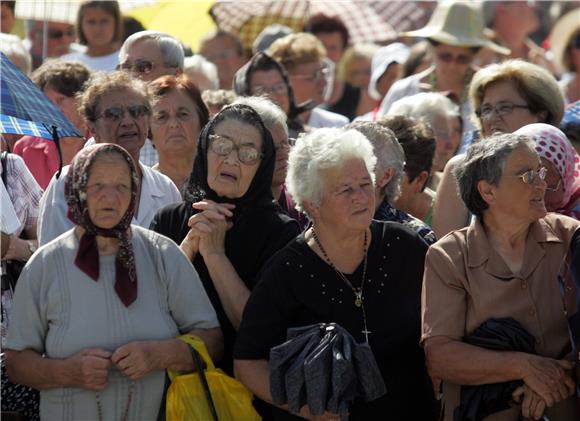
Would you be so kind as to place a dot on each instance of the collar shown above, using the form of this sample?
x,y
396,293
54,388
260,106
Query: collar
x,y
480,252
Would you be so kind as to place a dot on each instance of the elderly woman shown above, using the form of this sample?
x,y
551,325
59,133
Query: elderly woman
x,y
117,110
364,275
263,75
179,114
454,46
228,224
97,311
505,97
389,174
503,265
563,165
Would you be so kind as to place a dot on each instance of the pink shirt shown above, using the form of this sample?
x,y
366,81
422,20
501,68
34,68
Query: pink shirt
x,y
40,156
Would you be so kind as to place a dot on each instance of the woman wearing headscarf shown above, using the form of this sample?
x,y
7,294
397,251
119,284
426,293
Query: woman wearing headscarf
x,y
97,310
228,224
563,165
506,264
346,268
263,75
454,45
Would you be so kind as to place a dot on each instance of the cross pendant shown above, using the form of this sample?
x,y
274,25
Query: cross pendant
x,y
366,332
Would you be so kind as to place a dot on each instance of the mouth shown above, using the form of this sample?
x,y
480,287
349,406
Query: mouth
x,y
228,176
360,211
129,135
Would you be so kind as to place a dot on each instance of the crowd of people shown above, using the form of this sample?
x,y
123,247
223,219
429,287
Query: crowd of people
x,y
422,194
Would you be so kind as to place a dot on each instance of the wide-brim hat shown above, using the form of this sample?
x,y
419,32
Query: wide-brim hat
x,y
560,36
457,23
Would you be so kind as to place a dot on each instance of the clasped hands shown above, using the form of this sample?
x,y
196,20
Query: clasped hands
x,y
136,359
207,228
545,384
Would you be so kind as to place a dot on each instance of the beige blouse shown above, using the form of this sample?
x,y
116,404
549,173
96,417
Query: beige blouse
x,y
466,282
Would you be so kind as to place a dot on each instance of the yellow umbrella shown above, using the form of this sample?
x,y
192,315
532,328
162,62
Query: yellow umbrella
x,y
187,20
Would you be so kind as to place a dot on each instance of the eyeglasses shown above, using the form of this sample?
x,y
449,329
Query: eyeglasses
x,y
140,66
450,58
223,146
501,108
278,89
59,34
529,177
118,113
554,188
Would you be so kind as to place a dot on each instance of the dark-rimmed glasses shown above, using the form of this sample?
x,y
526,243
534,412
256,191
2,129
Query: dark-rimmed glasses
x,y
223,146
118,113
450,58
501,108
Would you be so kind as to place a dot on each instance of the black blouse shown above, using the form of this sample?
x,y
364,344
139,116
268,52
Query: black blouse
x,y
254,238
298,288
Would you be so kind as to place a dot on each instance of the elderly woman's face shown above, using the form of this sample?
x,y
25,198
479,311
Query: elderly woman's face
x,y
108,190
123,119
446,141
227,175
270,84
506,109
348,200
175,124
512,196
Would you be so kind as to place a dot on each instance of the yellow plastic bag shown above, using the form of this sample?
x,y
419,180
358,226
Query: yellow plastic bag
x,y
186,399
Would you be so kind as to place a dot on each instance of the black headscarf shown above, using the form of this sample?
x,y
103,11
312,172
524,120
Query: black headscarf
x,y
259,194
263,62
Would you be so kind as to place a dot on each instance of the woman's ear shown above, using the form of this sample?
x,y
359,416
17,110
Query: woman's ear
x,y
92,130
384,178
542,116
486,191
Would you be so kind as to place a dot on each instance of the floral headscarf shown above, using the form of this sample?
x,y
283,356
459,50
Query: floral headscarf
x,y
87,258
553,145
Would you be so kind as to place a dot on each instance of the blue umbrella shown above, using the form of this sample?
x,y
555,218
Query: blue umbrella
x,y
25,110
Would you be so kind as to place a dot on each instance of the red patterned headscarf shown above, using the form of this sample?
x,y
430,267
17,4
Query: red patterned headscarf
x,y
87,258
553,145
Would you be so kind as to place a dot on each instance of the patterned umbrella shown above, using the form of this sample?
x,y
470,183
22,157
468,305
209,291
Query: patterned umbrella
x,y
249,19
25,110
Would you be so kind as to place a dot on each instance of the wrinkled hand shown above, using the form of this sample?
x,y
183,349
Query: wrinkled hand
x,y
91,368
533,406
136,359
211,225
546,377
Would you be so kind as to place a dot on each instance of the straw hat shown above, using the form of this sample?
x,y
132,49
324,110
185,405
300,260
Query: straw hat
x,y
457,23
563,30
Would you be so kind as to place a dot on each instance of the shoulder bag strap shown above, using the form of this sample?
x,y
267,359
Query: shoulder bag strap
x,y
4,158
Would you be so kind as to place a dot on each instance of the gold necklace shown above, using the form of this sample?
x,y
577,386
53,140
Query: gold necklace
x,y
358,292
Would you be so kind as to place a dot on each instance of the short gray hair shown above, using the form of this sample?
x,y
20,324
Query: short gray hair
x,y
271,114
319,150
198,66
389,153
486,161
170,47
425,106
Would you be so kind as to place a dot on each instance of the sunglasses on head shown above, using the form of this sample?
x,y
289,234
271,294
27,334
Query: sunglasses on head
x,y
118,113
59,34
140,66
